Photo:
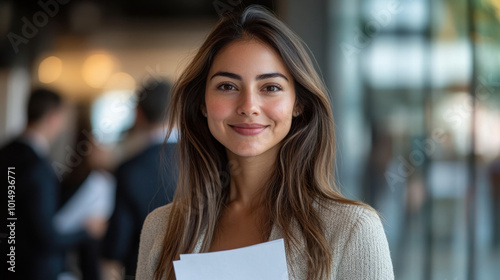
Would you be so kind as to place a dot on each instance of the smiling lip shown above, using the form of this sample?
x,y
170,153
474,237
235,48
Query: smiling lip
x,y
248,129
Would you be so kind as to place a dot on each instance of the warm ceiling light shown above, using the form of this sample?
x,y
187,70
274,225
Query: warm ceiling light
x,y
97,69
50,69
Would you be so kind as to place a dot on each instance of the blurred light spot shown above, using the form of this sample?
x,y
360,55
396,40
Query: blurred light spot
x,y
120,81
496,4
50,69
97,69
113,113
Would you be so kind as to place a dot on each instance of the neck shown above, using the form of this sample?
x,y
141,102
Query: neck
x,y
38,130
249,176
157,133
37,138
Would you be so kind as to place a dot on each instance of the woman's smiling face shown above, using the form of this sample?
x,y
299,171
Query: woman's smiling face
x,y
249,98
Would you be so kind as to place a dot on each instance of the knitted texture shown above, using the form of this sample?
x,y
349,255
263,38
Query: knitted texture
x,y
355,234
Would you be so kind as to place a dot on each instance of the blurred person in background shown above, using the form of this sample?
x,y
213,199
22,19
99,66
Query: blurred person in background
x,y
141,186
39,247
87,193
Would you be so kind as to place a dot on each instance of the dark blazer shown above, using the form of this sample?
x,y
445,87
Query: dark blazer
x,y
144,183
39,248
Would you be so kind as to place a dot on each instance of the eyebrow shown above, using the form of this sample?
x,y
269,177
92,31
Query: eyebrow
x,y
259,77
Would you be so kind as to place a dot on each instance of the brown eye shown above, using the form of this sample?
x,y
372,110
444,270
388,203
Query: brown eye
x,y
272,88
226,87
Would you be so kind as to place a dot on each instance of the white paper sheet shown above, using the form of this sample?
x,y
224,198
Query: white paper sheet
x,y
94,199
265,261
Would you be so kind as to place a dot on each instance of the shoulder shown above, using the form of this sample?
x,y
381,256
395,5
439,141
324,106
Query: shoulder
x,y
139,164
170,147
342,222
28,164
133,161
153,232
358,240
157,220
17,151
149,156
344,216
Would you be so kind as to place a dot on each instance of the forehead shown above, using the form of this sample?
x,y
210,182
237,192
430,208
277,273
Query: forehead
x,y
250,56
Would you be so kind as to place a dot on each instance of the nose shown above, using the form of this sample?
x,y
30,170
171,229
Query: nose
x,y
248,104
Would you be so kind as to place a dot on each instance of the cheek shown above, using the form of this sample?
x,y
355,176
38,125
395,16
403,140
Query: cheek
x,y
218,109
281,112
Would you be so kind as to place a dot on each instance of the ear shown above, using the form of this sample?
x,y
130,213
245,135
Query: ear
x,y
297,109
203,109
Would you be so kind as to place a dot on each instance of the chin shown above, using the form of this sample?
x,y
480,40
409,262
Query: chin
x,y
252,151
246,153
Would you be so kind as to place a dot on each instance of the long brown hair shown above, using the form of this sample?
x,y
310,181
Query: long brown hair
x,y
304,169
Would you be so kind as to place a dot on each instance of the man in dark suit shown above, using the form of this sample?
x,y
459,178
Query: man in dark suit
x,y
144,182
39,248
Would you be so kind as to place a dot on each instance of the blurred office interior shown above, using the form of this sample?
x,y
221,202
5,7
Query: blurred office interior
x,y
415,86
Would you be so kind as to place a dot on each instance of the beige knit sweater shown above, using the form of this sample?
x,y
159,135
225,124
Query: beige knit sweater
x,y
356,236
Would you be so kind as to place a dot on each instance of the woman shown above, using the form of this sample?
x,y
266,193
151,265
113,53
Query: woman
x,y
257,159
